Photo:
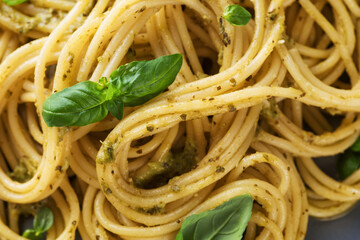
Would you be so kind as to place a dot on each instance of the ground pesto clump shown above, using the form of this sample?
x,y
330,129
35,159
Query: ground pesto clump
x,y
270,109
24,171
173,164
157,209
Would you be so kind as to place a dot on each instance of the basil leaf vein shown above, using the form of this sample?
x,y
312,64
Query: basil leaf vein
x,y
116,108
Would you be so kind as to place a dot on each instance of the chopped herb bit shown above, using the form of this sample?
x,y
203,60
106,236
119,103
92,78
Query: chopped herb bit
x,y
231,108
220,169
176,188
183,117
157,209
149,128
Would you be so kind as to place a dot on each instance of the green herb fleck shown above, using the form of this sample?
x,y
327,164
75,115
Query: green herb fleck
x,y
231,108
157,209
150,128
220,169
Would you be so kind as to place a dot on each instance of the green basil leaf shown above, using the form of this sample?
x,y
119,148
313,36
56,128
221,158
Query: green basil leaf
x,y
236,15
43,220
348,163
13,2
32,234
129,85
225,222
116,108
140,81
79,105
356,146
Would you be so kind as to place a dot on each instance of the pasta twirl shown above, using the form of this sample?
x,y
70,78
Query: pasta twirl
x,y
249,110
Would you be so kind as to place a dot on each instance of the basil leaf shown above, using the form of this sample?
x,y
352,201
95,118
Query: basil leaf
x,y
43,220
227,221
32,234
116,108
236,15
13,2
348,163
140,81
79,105
129,85
356,146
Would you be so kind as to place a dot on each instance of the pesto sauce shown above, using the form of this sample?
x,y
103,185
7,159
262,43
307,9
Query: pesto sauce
x,y
271,109
157,209
24,171
173,164
23,22
107,155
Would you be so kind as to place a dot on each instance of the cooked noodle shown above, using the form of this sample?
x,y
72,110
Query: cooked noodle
x,y
253,105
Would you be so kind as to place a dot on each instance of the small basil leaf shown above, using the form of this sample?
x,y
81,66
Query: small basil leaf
x,y
236,15
13,2
43,220
348,163
140,81
79,105
116,108
356,146
227,221
32,234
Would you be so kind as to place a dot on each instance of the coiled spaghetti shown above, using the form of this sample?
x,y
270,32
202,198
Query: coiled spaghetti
x,y
251,104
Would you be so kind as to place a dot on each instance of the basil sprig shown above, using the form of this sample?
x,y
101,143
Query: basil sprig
x,y
227,221
43,221
236,15
13,2
130,85
349,161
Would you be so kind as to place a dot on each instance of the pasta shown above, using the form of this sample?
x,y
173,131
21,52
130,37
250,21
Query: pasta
x,y
249,111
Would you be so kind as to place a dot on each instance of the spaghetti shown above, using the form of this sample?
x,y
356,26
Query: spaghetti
x,y
249,110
